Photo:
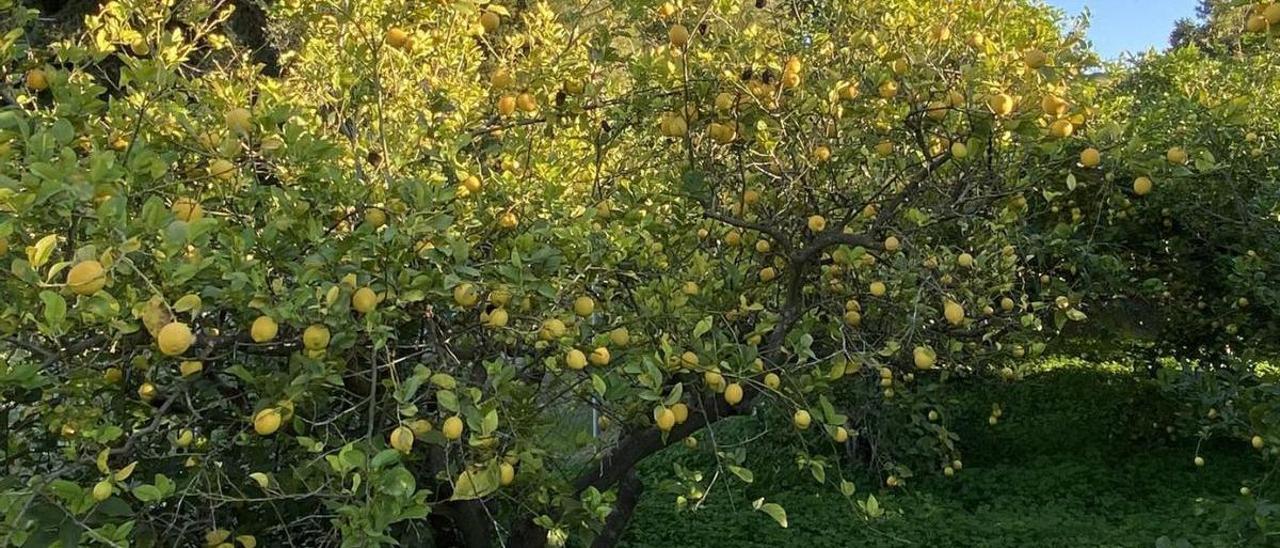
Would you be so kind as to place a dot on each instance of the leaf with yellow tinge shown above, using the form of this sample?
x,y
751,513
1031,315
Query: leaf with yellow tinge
x,y
477,482
187,303
775,511
102,460
39,254
247,541
124,473
261,479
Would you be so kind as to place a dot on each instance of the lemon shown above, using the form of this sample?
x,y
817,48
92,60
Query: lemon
x,y
1061,129
401,439
239,120
186,209
222,169
575,359
37,80
506,474
184,438
452,428
599,356
1090,157
584,306
772,381
490,21
501,79
1034,58
689,359
1257,442
496,318
877,289
822,154
817,223
959,150
664,418
733,393
552,329
965,260
267,421
1142,186
678,35
508,220
767,274
801,419
174,338
841,435
1177,156
526,102
375,217
1053,105
953,312
506,105
465,295
924,357
315,337
397,38
681,412
86,278
620,337
1001,104
852,318
364,300
264,329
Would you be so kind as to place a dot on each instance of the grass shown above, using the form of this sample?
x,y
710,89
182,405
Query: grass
x,y
1080,458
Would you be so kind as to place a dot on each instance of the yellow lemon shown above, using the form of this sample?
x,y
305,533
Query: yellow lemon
x,y
315,337
189,368
397,38
664,419
1142,186
801,419
239,120
174,338
401,439
575,359
1001,104
1090,157
877,289
186,209
678,35
86,278
102,491
452,428
506,474
1177,156
733,393
37,80
953,312
817,223
364,300
681,412
599,356
923,357
264,329
267,421
584,306
465,295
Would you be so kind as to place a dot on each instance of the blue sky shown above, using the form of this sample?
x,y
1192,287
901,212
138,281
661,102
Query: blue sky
x,y
1129,25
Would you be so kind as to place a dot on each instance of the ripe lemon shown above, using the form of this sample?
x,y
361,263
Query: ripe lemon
x,y
817,223
772,381
1053,105
86,278
552,329
490,21
508,220
1256,23
222,169
681,412
965,260
678,35
1090,157
620,337
689,359
497,318
923,357
732,238
375,217
841,435
801,419
364,300
1272,13
239,120
37,80
768,273
471,184
507,105
526,102
953,312
1177,156
599,356
1001,104
575,359
174,338
877,289
1257,442
1061,129
420,427
733,393
465,295
1034,58
506,474
397,38
1142,186
959,150
852,318
763,246
822,154
315,337
664,418
584,306
264,329
452,428
401,439
888,89
501,79
186,209
267,421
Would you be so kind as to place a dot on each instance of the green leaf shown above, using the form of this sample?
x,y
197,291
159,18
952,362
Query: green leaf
x,y
846,488
147,493
704,325
774,510
490,422
448,400
476,483
55,309
742,473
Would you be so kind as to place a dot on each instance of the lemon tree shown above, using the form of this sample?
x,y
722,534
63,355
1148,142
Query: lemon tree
x,y
445,272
